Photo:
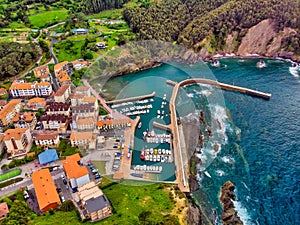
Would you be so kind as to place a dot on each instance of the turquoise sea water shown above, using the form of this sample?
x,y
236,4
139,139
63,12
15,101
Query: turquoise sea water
x,y
259,139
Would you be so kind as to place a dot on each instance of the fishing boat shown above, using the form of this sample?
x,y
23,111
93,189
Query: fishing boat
x,y
155,151
159,151
158,158
139,125
151,150
154,158
215,63
162,158
147,151
261,64
142,156
163,151
150,158
207,174
147,157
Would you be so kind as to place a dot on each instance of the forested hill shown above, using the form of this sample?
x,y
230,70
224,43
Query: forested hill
x,y
210,26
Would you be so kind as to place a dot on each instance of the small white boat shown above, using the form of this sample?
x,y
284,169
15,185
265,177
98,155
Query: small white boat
x,y
158,116
154,158
159,151
261,64
151,150
150,158
162,158
158,111
207,174
215,63
162,106
139,125
163,112
147,157
158,158
163,151
162,117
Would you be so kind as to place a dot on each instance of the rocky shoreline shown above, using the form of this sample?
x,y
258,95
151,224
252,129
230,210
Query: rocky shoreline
x,y
229,215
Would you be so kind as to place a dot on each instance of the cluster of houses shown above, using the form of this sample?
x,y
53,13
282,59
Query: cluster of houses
x,y
37,114
89,199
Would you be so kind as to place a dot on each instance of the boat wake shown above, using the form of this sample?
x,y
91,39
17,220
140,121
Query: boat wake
x,y
294,71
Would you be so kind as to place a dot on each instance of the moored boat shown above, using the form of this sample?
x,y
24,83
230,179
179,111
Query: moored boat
x,y
261,64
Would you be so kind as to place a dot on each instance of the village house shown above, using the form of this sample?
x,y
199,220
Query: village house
x,y
85,110
41,70
85,124
86,91
87,100
3,210
63,72
18,141
22,89
3,92
45,78
80,31
58,108
9,111
25,120
47,139
76,174
106,124
79,64
93,202
63,93
83,139
36,103
2,104
76,99
63,77
56,122
101,45
45,190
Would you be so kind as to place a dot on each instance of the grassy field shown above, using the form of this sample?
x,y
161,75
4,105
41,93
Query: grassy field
x,y
109,14
73,53
100,165
10,174
128,203
43,19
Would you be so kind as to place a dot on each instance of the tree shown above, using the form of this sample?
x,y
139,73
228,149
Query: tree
x,y
18,213
88,55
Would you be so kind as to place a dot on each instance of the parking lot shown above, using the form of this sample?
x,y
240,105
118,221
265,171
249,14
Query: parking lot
x,y
64,190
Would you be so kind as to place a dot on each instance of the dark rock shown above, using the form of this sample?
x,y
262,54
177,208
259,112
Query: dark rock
x,y
194,215
229,215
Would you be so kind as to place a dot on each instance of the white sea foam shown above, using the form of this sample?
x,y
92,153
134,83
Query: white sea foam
x,y
294,71
190,95
242,213
227,159
220,173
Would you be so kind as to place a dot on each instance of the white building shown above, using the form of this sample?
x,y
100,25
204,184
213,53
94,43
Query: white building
x,y
20,88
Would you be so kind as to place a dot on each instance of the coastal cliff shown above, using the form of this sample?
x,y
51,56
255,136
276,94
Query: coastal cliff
x,y
229,215
260,40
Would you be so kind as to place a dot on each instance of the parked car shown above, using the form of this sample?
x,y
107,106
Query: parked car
x,y
67,187
97,176
65,181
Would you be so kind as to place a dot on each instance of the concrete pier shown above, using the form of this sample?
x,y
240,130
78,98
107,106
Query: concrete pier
x,y
162,126
136,98
224,86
